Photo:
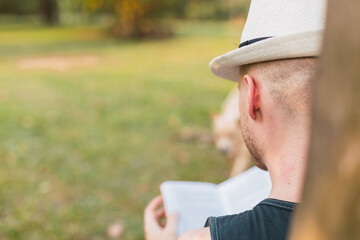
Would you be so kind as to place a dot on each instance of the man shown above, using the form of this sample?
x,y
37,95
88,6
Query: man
x,y
273,66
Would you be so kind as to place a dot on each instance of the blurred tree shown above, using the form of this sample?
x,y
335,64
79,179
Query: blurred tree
x,y
23,7
139,18
133,18
49,11
136,18
330,207
142,18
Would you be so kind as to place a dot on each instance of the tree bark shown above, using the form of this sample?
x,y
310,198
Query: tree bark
x,y
50,11
330,207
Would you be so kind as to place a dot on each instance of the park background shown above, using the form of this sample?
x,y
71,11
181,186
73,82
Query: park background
x,y
100,102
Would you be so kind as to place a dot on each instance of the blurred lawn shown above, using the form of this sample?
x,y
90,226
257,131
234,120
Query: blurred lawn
x,y
83,148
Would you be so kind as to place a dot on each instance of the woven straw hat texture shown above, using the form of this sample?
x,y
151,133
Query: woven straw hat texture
x,y
295,28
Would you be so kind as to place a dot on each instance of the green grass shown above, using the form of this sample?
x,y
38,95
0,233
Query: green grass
x,y
87,147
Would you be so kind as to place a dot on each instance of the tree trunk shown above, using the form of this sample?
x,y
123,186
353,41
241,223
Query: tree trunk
x,y
50,11
331,202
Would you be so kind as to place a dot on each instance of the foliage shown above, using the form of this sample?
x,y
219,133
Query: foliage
x,y
130,18
214,9
137,18
19,7
47,9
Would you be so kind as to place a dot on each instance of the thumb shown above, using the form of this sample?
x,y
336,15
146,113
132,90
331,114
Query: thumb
x,y
172,221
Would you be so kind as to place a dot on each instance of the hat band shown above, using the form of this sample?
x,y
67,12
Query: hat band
x,y
248,42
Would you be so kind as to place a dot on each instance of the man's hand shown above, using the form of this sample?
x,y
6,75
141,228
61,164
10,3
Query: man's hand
x,y
197,234
154,227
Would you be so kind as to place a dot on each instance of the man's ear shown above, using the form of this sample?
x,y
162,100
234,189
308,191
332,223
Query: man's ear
x,y
252,96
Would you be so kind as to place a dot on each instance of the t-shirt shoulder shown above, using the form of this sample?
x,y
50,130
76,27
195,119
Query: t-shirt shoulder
x,y
267,220
290,206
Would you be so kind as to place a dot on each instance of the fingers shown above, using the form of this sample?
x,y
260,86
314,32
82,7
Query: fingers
x,y
160,213
151,214
154,204
202,233
155,226
171,222
151,208
155,212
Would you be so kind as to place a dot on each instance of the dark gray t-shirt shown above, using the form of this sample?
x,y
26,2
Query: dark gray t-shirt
x,y
269,220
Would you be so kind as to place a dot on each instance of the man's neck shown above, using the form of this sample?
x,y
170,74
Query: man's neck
x,y
287,168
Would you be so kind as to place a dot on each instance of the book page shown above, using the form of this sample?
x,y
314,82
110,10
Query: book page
x,y
243,192
193,201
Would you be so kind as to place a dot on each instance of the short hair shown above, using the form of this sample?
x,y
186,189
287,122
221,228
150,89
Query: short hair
x,y
289,81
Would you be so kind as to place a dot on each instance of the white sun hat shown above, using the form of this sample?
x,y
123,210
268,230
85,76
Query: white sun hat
x,y
275,29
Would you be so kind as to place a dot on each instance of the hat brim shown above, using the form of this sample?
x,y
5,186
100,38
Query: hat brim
x,y
305,44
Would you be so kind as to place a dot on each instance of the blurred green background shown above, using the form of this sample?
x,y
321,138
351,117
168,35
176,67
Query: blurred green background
x,y
100,102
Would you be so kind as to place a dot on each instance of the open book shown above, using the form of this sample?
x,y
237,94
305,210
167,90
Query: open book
x,y
196,201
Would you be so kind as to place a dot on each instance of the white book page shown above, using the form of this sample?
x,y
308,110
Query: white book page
x,y
243,192
193,201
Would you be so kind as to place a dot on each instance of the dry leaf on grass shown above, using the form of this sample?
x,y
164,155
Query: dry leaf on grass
x,y
115,230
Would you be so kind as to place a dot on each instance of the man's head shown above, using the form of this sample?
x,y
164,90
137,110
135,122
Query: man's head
x,y
275,100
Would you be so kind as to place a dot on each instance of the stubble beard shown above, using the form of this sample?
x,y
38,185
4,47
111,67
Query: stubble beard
x,y
252,145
